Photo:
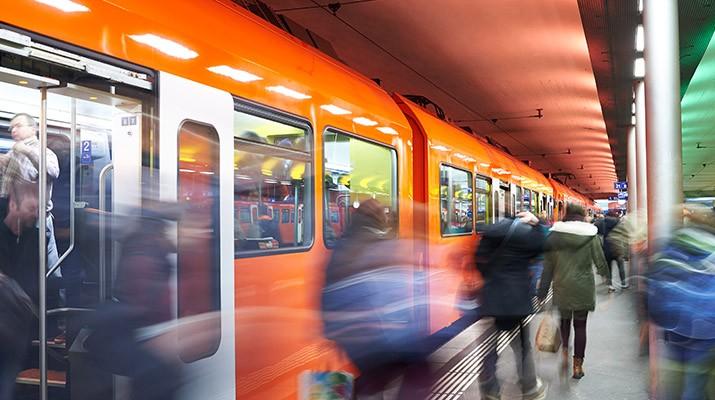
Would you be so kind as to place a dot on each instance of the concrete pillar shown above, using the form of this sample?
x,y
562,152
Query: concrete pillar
x,y
664,138
641,157
632,174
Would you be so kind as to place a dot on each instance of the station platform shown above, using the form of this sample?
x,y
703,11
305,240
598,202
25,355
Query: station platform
x,y
614,365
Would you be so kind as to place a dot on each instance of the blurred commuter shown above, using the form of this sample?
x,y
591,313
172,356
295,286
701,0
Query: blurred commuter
x,y
367,307
19,231
681,295
124,334
505,252
612,249
571,250
16,314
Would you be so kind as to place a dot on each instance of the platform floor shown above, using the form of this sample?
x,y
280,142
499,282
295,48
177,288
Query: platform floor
x,y
614,367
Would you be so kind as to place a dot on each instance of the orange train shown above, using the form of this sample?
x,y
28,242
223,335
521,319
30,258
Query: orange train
x,y
268,143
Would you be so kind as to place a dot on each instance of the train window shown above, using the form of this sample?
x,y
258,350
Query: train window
x,y
527,200
244,215
272,172
198,261
482,194
356,170
519,197
456,213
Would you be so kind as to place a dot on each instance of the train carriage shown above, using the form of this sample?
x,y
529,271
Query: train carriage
x,y
269,146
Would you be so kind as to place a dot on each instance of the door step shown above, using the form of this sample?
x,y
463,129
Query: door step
x,y
32,377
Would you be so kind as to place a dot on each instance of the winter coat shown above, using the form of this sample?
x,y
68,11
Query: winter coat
x,y
505,270
571,250
605,227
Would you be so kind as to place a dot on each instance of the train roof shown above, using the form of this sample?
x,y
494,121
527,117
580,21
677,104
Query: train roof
x,y
462,149
220,33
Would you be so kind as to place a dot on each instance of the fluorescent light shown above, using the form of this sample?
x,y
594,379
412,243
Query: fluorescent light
x,y
517,177
364,121
235,74
335,110
485,165
639,67
166,46
387,130
633,108
440,148
186,170
469,159
640,40
288,92
206,173
67,6
633,119
640,6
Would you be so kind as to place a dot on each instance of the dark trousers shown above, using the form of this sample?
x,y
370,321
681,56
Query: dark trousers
x,y
579,327
621,269
488,381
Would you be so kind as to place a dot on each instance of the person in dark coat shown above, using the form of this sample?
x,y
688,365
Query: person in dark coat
x,y
503,257
605,226
16,315
144,295
367,308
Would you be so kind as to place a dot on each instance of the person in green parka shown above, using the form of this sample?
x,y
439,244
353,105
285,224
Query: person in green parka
x,y
571,250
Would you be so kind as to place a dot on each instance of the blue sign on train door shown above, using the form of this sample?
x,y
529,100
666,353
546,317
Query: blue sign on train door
x,y
85,157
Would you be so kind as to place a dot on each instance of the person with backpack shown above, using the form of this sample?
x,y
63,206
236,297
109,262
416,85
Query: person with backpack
x,y
612,249
504,255
571,250
680,298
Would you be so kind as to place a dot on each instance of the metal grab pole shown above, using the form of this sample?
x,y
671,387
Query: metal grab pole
x,y
102,232
73,142
42,245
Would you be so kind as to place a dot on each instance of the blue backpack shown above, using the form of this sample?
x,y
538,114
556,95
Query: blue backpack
x,y
681,286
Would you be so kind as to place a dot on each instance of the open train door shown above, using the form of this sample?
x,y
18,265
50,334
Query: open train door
x,y
196,170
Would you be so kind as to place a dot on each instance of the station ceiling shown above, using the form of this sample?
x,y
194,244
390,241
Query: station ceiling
x,y
492,65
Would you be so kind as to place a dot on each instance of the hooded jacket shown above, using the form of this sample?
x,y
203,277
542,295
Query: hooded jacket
x,y
571,250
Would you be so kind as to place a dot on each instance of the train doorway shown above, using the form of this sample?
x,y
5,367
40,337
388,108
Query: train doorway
x,y
72,144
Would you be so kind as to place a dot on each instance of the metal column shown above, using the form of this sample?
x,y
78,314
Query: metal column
x,y
664,140
632,171
641,157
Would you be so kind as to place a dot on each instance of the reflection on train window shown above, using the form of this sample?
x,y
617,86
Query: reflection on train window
x,y
455,186
198,262
519,197
527,200
482,193
272,172
356,170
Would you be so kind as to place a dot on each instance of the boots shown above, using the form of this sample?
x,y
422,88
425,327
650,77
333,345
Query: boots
x,y
564,362
578,367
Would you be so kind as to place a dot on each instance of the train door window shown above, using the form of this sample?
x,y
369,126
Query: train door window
x,y
527,200
285,219
518,198
272,171
482,194
198,254
456,201
356,170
